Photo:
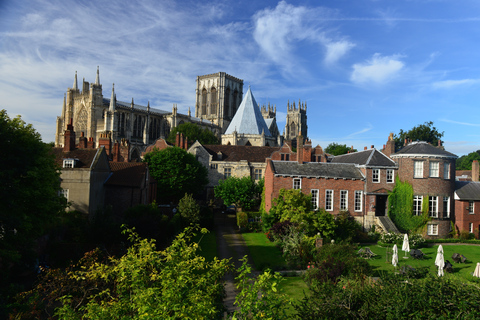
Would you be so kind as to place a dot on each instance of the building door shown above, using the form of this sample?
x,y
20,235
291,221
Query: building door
x,y
380,205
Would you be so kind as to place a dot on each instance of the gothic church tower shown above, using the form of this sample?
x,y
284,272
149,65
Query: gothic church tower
x,y
296,123
218,96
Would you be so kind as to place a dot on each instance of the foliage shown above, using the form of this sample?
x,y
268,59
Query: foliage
x,y
148,221
242,192
281,229
145,283
193,132
177,172
29,186
423,132
260,297
392,298
189,209
401,208
333,261
242,219
465,161
346,227
298,249
338,149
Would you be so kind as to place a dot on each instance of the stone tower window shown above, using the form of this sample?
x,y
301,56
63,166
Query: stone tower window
x,y
204,101
227,102
82,120
213,101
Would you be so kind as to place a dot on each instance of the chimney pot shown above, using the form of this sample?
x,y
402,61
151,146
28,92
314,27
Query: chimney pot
x,y
365,148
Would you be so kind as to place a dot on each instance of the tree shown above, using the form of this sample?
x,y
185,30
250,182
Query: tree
x,y
193,132
423,132
177,172
189,209
465,162
338,149
242,192
29,187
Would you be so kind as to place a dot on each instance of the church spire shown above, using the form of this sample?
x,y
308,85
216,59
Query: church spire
x,y
113,99
97,79
75,85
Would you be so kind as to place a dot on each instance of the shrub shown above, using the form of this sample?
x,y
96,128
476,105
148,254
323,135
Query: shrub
x,y
298,249
242,219
280,230
346,227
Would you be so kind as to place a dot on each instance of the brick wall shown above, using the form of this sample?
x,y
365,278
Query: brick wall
x,y
463,217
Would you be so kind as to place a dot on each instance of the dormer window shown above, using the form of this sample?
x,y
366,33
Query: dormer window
x,y
69,163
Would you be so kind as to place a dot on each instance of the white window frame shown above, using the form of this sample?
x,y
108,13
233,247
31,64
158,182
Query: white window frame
x,y
64,193
390,176
343,200
434,169
258,174
376,175
358,201
471,207
446,170
297,183
432,229
418,169
446,201
315,193
433,206
69,163
328,200
417,205
470,227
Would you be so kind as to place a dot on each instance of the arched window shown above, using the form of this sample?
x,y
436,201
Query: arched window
x,y
82,120
165,128
227,103
234,105
121,124
213,101
293,129
204,101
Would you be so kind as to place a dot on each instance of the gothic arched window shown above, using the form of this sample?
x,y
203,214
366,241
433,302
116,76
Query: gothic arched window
x,y
204,101
213,101
293,129
227,102
82,120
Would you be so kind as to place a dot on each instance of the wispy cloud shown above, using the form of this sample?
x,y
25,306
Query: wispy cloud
x,y
449,84
379,69
368,128
461,123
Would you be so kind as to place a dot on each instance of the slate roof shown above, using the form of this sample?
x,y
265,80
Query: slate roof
x,y
423,148
317,170
248,119
371,157
467,190
127,174
237,153
85,156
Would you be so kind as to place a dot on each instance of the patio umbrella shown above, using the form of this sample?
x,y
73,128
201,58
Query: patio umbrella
x,y
406,245
440,261
395,255
476,273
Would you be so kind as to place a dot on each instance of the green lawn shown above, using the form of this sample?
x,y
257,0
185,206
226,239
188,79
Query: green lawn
x,y
381,264
263,253
208,245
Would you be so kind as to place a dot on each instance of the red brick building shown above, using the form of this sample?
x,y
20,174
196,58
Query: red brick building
x,y
467,207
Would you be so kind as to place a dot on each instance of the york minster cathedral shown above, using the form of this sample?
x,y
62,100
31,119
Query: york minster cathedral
x,y
220,106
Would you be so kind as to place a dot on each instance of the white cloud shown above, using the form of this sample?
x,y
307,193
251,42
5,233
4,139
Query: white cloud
x,y
377,70
449,84
336,50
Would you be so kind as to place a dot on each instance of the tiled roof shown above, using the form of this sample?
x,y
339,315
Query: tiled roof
x,y
237,153
422,148
371,157
85,156
129,174
467,190
317,169
248,119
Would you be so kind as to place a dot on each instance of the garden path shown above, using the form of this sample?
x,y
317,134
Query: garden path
x,y
230,244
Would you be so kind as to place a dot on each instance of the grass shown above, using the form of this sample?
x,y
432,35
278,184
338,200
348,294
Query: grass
x,y
381,264
263,252
295,288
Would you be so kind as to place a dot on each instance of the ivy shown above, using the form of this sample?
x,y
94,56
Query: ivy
x,y
401,208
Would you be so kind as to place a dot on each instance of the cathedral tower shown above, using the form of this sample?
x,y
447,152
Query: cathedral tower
x,y
296,123
218,96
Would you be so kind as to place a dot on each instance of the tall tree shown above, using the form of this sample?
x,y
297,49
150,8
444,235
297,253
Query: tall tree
x,y
29,186
423,132
242,192
465,162
177,172
338,149
193,133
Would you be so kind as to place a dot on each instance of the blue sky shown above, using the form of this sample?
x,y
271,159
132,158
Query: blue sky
x,y
365,67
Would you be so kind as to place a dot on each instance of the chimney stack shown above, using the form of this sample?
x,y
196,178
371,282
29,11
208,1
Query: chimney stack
x,y
475,170
69,136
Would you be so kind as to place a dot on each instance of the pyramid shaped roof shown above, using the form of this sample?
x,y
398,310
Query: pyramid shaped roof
x,y
248,119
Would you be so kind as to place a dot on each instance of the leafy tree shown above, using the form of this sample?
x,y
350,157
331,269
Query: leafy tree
x,y
193,132
338,149
242,192
177,172
465,162
29,186
175,283
423,132
189,209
